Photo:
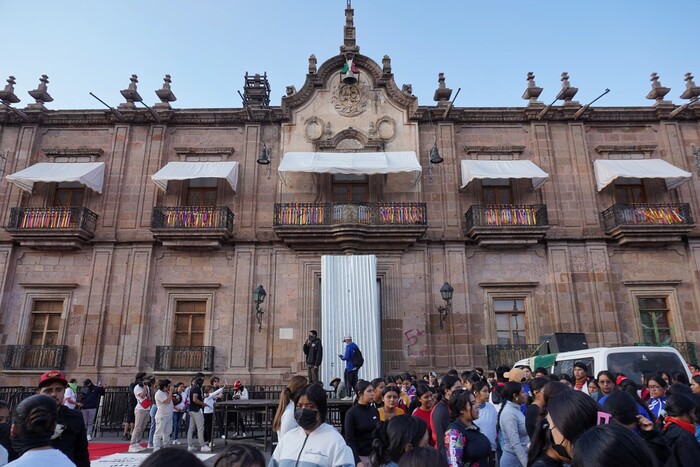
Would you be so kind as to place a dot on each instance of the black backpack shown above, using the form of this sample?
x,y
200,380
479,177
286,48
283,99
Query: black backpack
x,y
357,359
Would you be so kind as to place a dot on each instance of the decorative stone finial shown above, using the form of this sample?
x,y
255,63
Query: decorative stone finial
x,y
532,92
657,91
8,95
567,91
407,89
691,90
312,64
165,94
442,93
40,94
386,64
291,90
131,94
349,43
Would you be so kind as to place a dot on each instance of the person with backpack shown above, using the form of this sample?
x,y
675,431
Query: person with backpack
x,y
353,361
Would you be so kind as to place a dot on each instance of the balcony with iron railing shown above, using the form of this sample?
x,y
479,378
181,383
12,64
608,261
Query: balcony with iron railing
x,y
35,357
350,226
178,358
508,354
507,225
648,223
52,227
187,227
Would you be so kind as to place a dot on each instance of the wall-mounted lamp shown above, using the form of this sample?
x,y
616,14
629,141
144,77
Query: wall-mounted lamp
x,y
259,295
264,159
446,291
434,158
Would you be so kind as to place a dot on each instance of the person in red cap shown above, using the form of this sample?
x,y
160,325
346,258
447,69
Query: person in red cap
x,y
240,392
70,436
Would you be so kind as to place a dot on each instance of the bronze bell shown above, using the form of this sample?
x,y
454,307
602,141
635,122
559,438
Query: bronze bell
x,y
350,76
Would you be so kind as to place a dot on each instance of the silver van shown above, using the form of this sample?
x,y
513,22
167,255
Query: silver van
x,y
630,361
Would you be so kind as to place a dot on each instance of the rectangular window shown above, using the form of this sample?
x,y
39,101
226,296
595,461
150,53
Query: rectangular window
x,y
189,323
201,192
630,191
350,188
45,322
510,321
496,192
68,195
654,311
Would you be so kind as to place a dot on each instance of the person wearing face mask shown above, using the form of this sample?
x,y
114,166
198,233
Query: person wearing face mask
x,y
569,414
314,443
314,355
34,425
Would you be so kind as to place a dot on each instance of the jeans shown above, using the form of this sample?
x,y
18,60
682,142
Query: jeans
x,y
177,420
152,431
350,381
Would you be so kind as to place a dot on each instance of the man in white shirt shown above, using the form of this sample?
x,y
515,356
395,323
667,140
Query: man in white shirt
x,y
144,400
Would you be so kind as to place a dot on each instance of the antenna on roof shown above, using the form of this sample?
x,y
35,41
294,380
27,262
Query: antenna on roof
x,y
114,111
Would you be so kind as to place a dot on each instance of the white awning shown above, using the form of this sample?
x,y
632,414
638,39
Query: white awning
x,y
191,170
499,170
90,174
606,171
357,163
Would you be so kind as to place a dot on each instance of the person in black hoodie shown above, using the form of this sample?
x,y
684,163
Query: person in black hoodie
x,y
314,355
679,431
360,422
90,399
70,436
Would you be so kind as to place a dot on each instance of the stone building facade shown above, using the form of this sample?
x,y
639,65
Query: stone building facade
x,y
106,273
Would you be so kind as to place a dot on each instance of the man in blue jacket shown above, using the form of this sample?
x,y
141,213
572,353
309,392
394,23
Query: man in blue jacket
x,y
350,370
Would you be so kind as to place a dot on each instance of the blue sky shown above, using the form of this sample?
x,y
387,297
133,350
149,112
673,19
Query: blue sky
x,y
485,48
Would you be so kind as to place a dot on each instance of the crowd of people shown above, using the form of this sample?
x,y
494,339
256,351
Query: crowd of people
x,y
511,417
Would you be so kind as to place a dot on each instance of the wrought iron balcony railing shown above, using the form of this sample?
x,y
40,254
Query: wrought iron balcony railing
x,y
647,215
507,215
192,217
508,354
176,358
54,219
35,357
308,214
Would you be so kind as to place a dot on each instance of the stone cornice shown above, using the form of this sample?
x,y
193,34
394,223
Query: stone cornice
x,y
203,151
494,149
510,285
73,152
626,149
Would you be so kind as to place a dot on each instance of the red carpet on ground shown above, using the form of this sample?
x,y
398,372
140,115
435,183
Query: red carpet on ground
x,y
98,450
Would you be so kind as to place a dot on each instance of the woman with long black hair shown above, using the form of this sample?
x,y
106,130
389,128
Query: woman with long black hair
x,y
396,437
512,434
284,417
313,442
611,446
679,431
568,415
360,422
464,442
440,417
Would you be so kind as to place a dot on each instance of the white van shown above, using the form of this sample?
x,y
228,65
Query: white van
x,y
630,361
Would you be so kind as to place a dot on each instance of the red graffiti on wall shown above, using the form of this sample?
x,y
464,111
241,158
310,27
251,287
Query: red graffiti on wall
x,y
413,348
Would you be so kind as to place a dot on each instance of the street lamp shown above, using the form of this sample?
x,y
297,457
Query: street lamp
x,y
259,295
444,310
